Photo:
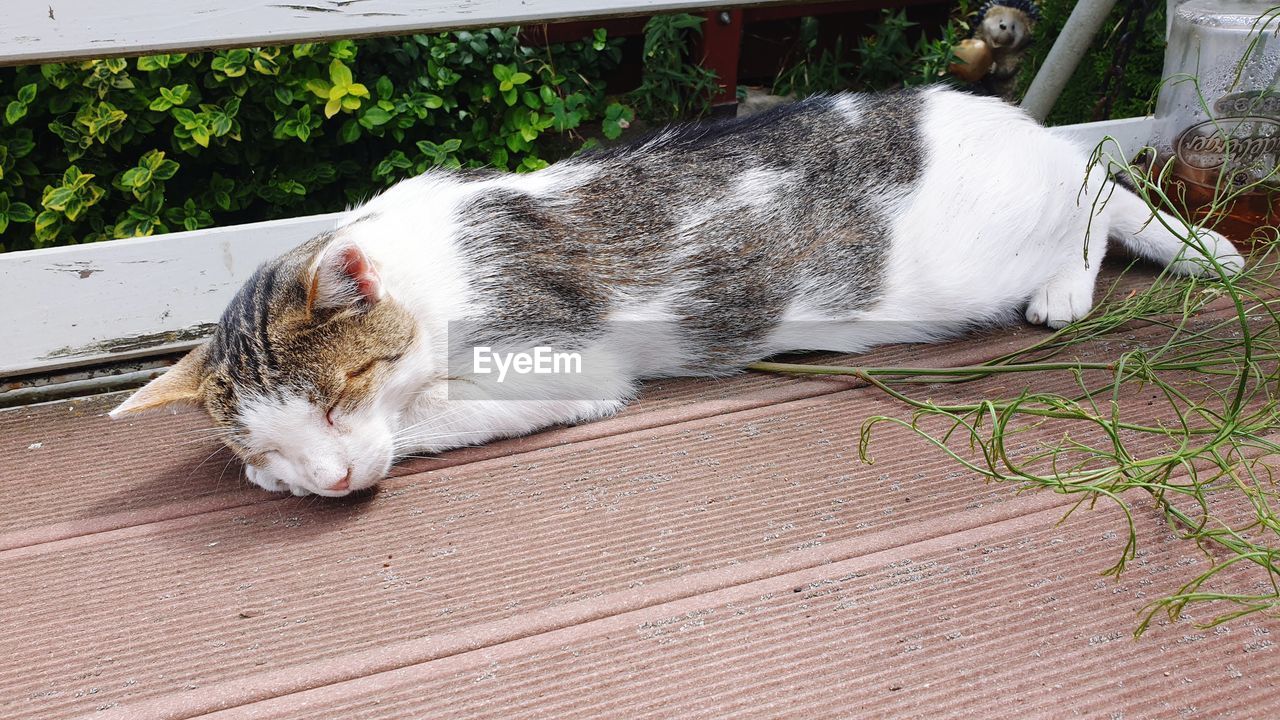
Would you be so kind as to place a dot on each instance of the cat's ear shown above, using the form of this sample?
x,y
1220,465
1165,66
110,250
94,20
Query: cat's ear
x,y
342,275
178,387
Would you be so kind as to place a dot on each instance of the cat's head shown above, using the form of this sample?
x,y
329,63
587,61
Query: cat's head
x,y
306,372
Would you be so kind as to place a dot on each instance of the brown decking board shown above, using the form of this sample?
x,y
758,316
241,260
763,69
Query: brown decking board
x,y
716,550
1002,620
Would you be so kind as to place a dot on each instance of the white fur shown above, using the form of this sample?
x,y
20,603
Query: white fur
x,y
303,453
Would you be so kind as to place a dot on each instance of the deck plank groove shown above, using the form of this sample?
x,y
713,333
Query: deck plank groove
x,y
717,550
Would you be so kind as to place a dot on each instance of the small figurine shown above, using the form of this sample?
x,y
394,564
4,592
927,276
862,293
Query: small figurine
x,y
1001,35
975,60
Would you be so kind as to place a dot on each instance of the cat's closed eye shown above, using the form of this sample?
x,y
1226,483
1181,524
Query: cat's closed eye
x,y
352,377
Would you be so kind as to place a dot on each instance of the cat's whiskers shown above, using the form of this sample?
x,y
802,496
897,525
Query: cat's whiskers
x,y
418,456
436,419
217,428
207,458
206,433
398,448
444,435
201,440
218,482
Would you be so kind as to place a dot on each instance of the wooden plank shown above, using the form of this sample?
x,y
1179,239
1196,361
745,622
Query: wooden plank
x,y
89,304
35,31
84,304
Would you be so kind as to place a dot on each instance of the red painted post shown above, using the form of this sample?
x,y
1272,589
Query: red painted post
x,y
721,43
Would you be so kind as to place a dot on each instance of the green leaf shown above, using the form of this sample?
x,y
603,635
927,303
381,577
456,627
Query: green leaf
x,y
200,134
73,208
339,73
283,94
221,124
14,112
617,117
166,170
135,177
74,177
333,107
47,221
384,88
56,198
27,93
178,95
319,88
374,116
21,212
529,164
350,132
21,144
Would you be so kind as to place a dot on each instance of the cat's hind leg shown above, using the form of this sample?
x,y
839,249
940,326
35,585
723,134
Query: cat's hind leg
x,y
1149,236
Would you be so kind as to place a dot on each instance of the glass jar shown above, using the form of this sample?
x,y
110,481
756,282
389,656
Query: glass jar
x,y
1218,113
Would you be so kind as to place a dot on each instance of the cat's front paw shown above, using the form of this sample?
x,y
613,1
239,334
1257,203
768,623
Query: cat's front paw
x,y
1193,262
271,483
1061,302
264,479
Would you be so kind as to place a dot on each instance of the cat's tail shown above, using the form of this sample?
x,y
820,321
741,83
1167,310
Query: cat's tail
x,y
1164,239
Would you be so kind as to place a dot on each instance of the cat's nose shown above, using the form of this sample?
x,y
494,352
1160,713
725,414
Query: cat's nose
x,y
343,484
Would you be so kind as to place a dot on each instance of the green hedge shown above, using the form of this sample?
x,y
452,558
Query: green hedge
x,y
118,148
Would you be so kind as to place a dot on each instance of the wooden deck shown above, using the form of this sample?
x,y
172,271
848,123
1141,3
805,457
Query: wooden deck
x,y
717,550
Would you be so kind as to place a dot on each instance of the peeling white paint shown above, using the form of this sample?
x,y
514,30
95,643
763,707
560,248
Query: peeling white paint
x,y
108,295
87,28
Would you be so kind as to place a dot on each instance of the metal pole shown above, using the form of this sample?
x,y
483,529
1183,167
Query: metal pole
x,y
1085,21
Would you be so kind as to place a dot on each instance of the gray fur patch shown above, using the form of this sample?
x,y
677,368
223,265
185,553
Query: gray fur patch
x,y
730,223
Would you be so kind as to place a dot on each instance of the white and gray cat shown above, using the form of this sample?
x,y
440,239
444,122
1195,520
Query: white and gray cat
x,y
835,223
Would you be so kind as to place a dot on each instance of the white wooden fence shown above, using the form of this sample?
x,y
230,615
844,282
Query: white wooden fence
x,y
89,304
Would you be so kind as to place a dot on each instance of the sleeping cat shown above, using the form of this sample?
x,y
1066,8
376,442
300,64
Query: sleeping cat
x,y
835,223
